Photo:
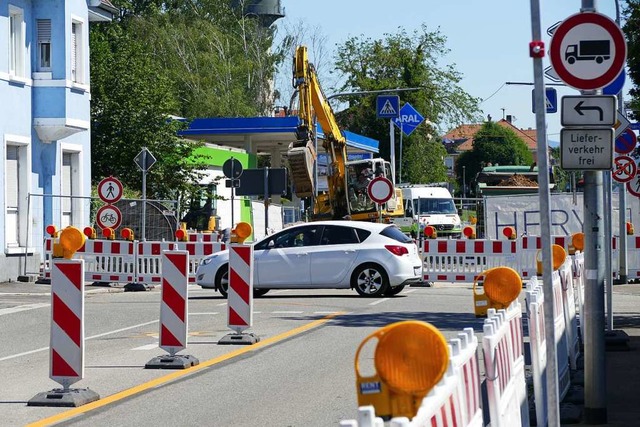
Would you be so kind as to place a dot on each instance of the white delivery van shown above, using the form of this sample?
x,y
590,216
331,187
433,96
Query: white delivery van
x,y
426,204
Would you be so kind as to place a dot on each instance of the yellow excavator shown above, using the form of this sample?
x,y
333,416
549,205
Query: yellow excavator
x,y
346,181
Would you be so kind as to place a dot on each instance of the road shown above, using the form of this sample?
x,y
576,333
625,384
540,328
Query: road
x,y
300,374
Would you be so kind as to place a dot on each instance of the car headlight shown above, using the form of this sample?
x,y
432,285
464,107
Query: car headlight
x,y
207,260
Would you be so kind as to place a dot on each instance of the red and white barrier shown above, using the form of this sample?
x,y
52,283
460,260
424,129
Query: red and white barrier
x,y
174,306
502,345
569,309
203,237
240,293
536,299
125,262
149,260
108,260
67,322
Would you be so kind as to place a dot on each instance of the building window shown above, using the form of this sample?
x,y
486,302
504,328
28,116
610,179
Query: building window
x,y
44,44
16,42
77,55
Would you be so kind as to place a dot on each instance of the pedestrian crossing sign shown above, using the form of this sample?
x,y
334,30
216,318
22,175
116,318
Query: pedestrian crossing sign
x,y
388,106
550,100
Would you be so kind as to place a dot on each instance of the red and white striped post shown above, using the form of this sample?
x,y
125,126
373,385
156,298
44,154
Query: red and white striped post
x,y
174,312
66,362
240,294
66,350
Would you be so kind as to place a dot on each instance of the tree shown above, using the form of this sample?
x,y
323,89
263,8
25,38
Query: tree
x,y
404,60
132,100
632,32
493,144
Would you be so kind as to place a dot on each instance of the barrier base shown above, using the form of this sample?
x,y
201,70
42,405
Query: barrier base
x,y
178,361
28,278
423,284
137,287
616,340
43,281
73,397
238,339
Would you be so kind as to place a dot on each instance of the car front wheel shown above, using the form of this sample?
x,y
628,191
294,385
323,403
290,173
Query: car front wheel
x,y
370,280
222,283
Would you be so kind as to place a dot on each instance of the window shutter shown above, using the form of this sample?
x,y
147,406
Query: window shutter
x,y
74,47
44,30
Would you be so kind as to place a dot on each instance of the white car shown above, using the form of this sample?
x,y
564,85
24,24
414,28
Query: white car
x,y
374,259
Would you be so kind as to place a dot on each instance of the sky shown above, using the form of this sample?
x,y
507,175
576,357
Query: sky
x,y
488,41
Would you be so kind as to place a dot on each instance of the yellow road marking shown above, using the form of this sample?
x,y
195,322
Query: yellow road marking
x,y
175,375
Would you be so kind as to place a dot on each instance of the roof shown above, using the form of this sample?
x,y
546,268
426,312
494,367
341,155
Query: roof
x,y
266,133
463,135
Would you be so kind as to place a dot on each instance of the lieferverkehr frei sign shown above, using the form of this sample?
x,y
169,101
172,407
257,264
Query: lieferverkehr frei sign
x,y
586,148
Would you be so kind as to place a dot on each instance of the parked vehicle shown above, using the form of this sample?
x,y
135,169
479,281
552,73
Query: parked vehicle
x,y
429,204
372,258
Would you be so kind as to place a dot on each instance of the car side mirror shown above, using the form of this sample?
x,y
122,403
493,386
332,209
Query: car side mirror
x,y
271,244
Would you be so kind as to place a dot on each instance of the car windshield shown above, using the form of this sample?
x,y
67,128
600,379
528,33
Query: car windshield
x,y
394,233
434,206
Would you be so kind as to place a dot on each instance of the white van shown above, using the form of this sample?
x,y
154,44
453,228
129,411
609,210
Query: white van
x,y
426,204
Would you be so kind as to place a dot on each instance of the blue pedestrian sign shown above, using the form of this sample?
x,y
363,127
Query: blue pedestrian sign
x,y
388,106
409,119
550,100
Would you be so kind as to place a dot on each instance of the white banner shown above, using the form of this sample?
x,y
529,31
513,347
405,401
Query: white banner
x,y
567,215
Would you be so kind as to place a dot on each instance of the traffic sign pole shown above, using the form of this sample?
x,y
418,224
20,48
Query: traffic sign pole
x,y
537,53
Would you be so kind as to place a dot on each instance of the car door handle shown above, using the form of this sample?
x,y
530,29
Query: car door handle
x,y
349,251
302,254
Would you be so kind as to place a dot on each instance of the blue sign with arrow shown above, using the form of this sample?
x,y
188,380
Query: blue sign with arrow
x,y
387,106
409,119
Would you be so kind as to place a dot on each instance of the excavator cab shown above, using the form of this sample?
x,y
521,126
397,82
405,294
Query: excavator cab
x,y
359,174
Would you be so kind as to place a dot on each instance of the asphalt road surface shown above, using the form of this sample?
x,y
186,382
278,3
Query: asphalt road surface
x,y
301,373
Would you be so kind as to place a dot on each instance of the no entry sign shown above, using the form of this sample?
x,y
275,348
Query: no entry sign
x,y
380,189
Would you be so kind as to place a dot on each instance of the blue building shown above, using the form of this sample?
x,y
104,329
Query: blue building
x,y
44,123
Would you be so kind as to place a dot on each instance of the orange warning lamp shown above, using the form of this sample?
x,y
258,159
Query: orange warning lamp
x,y
430,232
469,232
90,232
242,231
410,358
500,286
181,234
558,255
71,239
473,220
577,241
127,234
630,229
509,233
109,233
52,230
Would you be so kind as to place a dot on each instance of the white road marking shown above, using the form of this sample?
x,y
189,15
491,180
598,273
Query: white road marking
x,y
287,312
221,304
379,301
324,312
37,350
147,347
20,308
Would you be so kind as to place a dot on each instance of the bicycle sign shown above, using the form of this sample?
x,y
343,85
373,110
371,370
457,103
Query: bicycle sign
x,y
109,216
110,190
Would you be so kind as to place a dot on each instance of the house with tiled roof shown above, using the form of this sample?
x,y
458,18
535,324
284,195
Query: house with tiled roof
x,y
461,139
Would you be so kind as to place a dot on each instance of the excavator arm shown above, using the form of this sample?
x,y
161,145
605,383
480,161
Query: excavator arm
x,y
301,154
